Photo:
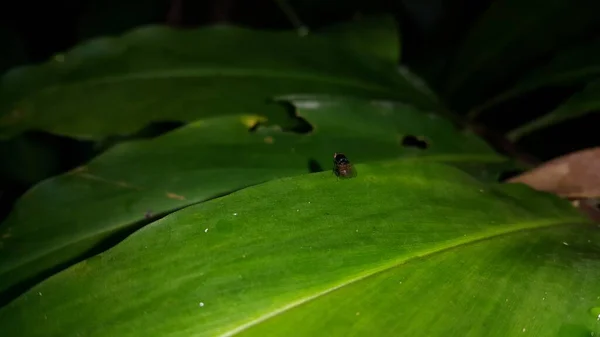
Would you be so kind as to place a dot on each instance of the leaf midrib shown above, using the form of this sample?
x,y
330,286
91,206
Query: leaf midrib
x,y
227,72
452,244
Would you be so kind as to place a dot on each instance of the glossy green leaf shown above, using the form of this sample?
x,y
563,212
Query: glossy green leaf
x,y
571,66
63,217
580,104
406,248
509,37
118,85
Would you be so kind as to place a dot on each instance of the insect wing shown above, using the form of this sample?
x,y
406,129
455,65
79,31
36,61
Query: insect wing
x,y
351,171
346,171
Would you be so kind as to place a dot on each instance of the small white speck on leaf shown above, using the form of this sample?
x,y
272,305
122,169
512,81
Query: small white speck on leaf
x,y
234,213
481,191
201,304
524,329
565,243
297,210
358,313
206,230
39,293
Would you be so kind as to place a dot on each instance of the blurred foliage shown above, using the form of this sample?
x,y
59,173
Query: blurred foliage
x,y
406,247
149,119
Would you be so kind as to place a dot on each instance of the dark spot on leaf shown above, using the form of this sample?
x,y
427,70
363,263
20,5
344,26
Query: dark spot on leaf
x,y
298,124
285,120
314,166
413,141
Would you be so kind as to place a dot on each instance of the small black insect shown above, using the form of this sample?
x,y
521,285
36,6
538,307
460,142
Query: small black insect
x,y
342,166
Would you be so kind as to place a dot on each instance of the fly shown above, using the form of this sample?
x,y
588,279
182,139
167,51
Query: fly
x,y
342,166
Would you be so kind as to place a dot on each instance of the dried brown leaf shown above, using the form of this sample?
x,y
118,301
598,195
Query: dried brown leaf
x,y
576,175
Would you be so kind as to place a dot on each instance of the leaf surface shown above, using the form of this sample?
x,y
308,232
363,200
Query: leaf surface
x,y
406,247
64,217
116,86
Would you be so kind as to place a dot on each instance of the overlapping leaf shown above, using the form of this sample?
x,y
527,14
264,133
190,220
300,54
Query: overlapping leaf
x,y
118,85
582,103
414,248
65,216
509,38
567,67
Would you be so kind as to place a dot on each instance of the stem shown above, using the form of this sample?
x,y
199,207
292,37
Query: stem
x,y
536,124
292,16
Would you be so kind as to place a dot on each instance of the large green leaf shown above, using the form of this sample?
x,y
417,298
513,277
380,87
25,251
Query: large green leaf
x,y
117,85
64,217
508,38
571,66
406,248
584,102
